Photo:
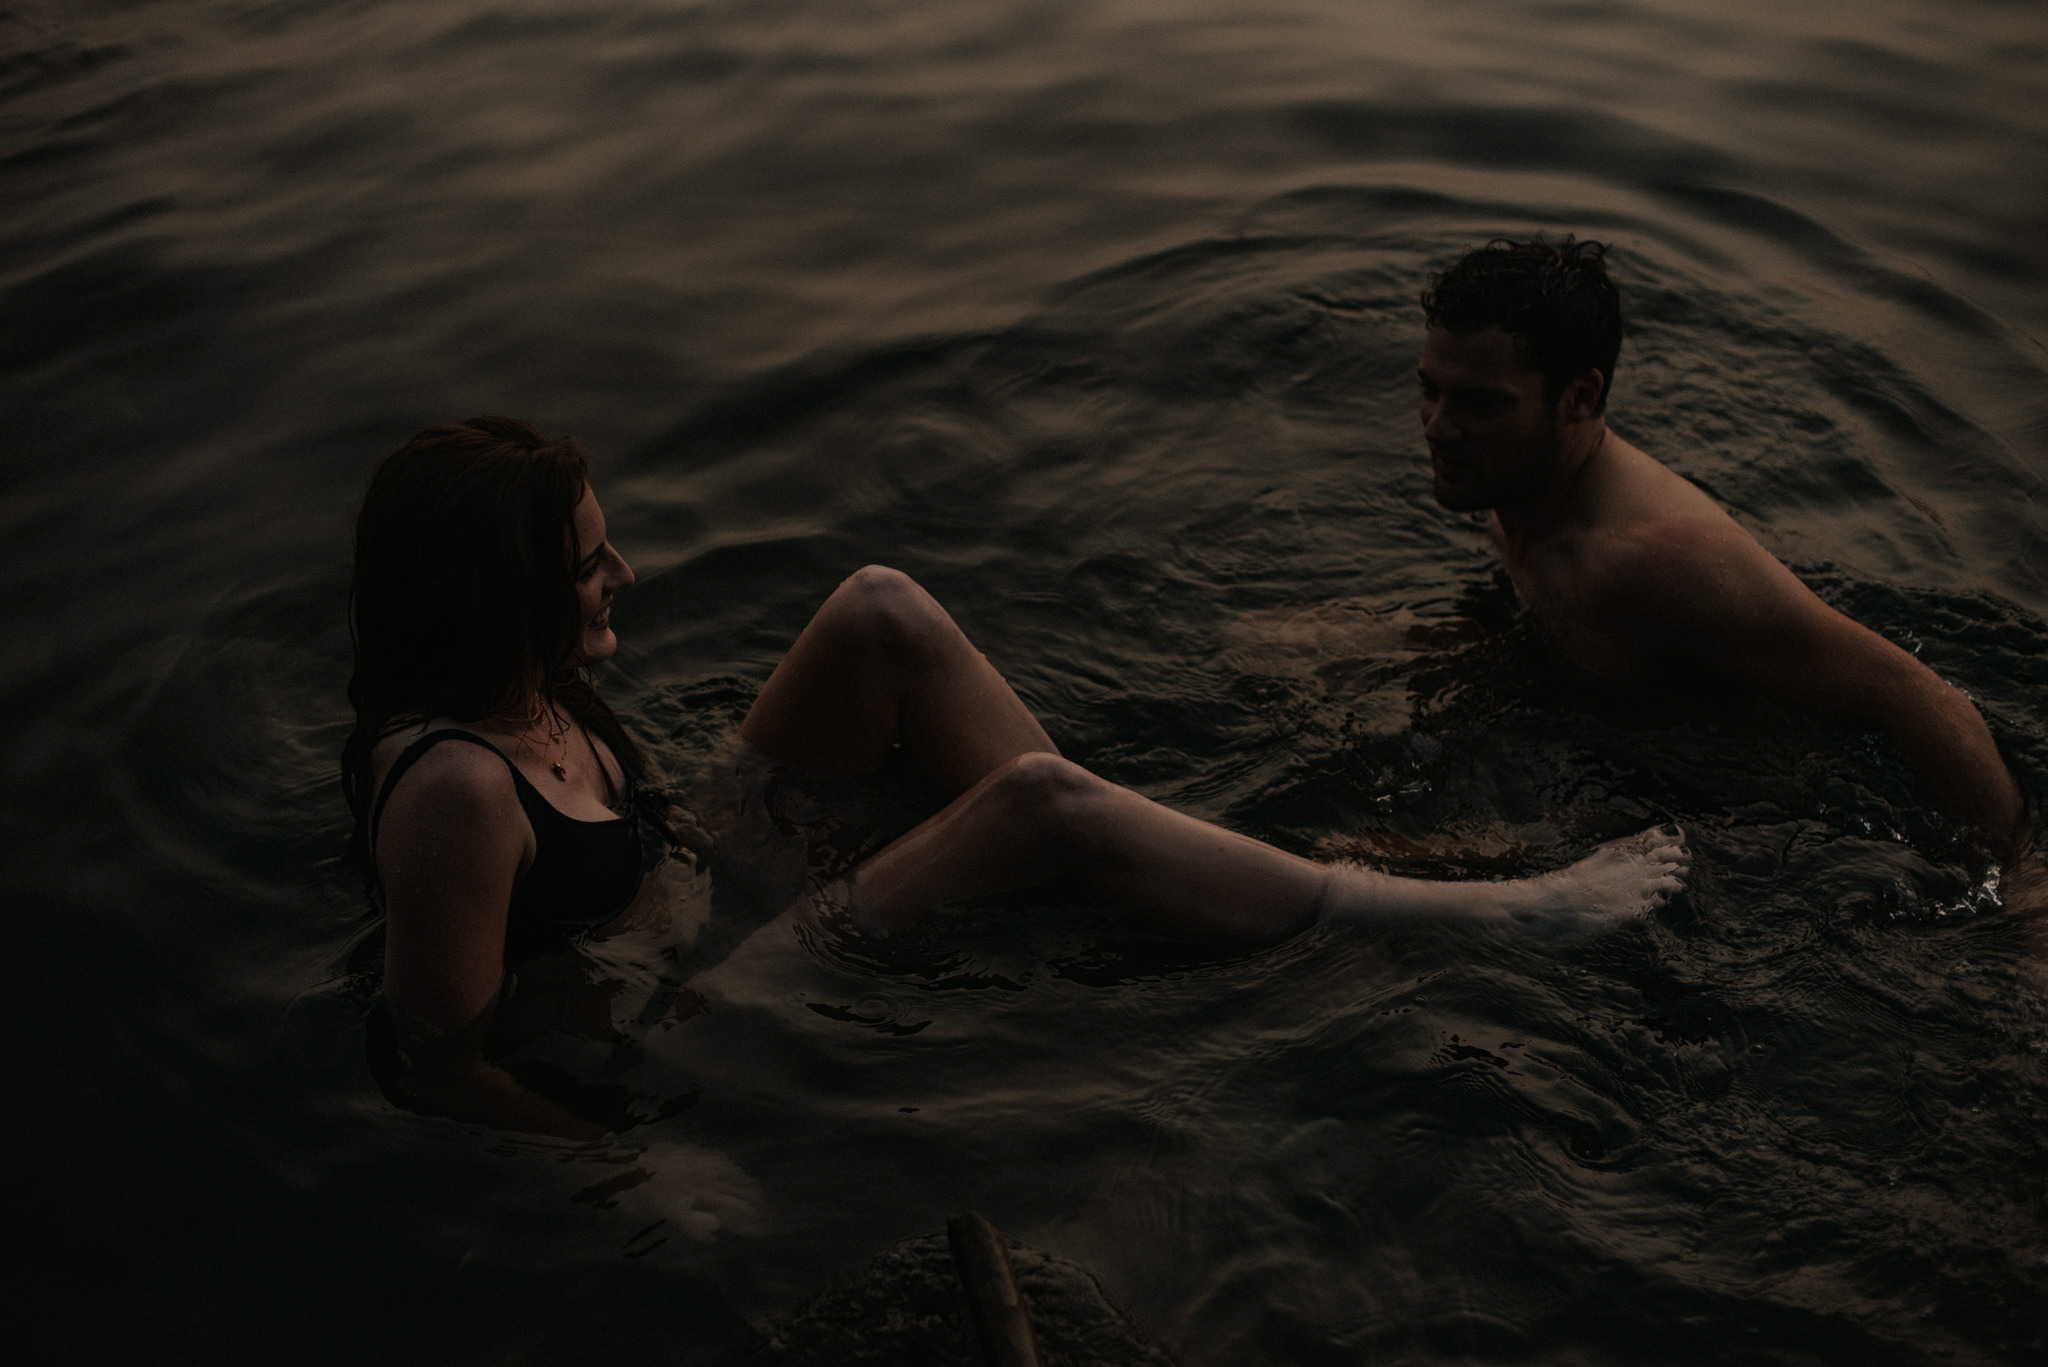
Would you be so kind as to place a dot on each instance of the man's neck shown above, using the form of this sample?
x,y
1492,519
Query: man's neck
x,y
1550,507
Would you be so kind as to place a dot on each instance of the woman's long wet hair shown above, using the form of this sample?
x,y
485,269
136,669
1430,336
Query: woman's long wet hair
x,y
463,602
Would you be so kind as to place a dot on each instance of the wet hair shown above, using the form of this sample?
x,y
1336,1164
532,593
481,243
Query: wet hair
x,y
463,600
1556,302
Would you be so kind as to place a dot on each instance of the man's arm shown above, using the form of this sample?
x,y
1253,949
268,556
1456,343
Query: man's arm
x,y
1711,595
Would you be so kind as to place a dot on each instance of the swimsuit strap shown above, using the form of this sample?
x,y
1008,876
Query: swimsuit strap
x,y
611,793
410,755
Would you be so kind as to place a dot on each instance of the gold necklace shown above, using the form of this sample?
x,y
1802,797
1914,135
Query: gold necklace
x,y
556,732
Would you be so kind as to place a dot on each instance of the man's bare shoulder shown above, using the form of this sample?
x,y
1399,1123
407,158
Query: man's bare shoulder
x,y
1658,551
1666,552
1629,487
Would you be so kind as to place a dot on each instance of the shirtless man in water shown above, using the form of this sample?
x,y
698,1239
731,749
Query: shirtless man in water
x,y
1629,565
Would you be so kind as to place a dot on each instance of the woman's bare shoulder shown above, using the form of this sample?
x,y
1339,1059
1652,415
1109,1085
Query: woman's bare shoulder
x,y
462,772
455,807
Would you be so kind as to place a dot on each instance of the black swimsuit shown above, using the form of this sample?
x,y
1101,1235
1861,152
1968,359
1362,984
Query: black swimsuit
x,y
583,872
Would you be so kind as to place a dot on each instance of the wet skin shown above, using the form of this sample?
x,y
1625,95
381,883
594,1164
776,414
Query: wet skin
x,y
880,668
452,843
1631,566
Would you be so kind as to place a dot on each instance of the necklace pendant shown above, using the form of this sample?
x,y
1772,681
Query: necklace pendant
x,y
560,772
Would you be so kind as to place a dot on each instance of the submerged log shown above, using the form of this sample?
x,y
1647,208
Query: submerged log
x,y
993,1300
908,1306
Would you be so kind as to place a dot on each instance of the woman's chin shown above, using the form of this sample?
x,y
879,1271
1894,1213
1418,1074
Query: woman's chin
x,y
597,647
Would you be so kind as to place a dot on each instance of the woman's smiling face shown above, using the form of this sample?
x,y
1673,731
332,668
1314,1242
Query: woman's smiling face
x,y
600,574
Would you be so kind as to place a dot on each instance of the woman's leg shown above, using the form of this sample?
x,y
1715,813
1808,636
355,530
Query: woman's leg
x,y
881,663
1040,817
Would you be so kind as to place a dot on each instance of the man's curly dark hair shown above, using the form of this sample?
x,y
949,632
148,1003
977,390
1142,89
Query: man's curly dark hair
x,y
1556,302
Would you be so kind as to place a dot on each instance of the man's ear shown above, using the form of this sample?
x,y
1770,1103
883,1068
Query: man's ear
x,y
1581,398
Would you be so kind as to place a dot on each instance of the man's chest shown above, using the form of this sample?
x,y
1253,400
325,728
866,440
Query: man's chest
x,y
1552,581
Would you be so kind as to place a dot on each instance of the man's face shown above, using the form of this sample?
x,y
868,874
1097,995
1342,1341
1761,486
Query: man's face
x,y
1492,439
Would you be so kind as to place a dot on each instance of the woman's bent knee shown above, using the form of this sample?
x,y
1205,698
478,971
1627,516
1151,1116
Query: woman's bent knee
x,y
1044,777
879,583
1047,791
879,605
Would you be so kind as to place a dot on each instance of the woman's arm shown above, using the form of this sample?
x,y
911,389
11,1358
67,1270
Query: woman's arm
x,y
446,1074
450,846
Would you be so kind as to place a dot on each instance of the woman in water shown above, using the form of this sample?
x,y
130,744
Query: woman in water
x,y
501,811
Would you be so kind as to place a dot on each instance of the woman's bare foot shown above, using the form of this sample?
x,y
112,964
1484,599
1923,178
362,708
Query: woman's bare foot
x,y
1620,881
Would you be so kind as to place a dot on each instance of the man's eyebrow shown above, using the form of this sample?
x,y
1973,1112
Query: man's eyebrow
x,y
1499,391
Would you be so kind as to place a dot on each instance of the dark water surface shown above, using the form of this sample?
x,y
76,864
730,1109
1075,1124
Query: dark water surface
x,y
1098,319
